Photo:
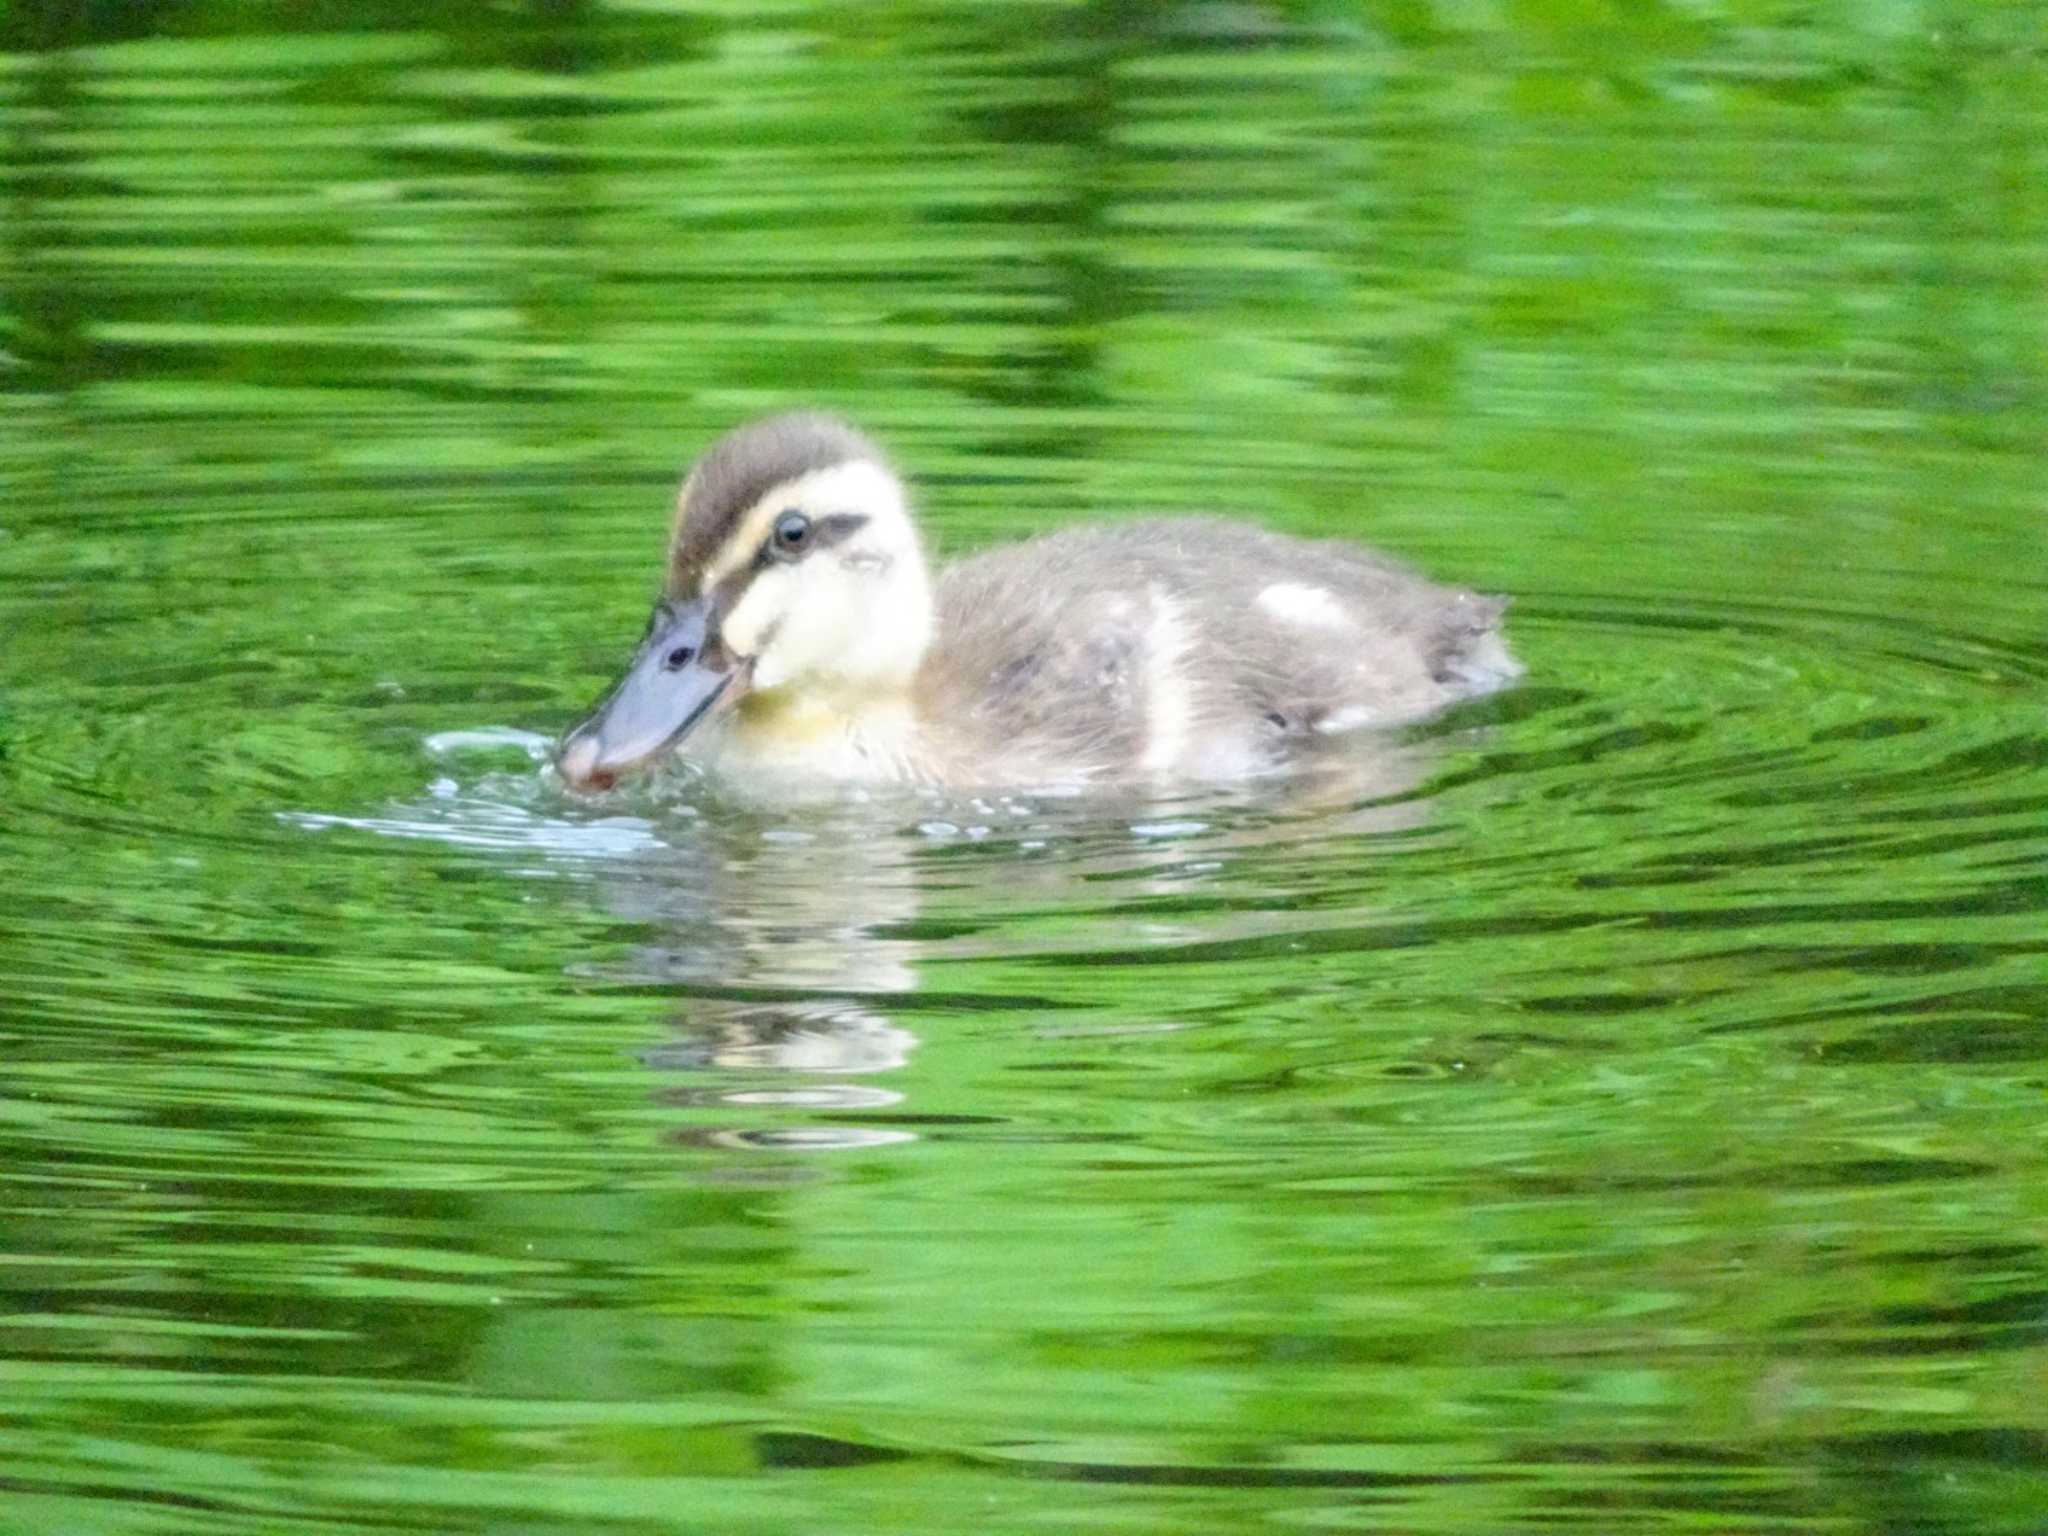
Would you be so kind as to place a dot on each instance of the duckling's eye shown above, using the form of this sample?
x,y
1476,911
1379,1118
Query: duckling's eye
x,y
792,534
678,658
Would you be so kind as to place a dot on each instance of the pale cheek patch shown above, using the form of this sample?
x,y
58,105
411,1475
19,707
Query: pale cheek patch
x,y
746,627
896,635
1295,602
790,623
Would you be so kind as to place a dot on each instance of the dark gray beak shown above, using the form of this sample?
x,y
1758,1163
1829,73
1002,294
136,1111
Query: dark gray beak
x,y
677,678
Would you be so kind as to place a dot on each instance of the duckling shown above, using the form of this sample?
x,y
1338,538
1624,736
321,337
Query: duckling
x,y
800,635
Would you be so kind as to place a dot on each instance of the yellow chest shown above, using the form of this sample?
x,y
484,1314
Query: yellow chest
x,y
857,740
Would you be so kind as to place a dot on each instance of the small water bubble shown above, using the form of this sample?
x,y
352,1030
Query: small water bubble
x,y
443,789
818,1096
492,738
821,1138
938,829
1168,828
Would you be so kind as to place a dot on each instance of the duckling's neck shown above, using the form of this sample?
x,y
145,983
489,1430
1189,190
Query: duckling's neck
x,y
854,735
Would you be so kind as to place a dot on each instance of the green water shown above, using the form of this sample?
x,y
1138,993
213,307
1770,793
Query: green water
x,y
1621,1107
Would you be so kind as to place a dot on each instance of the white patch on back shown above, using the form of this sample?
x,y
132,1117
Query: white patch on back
x,y
1169,701
1296,602
1349,718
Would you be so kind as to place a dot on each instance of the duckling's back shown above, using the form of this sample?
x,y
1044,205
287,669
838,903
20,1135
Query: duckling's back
x,y
1188,647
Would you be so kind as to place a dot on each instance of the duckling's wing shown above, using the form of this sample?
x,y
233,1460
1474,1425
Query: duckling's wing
x,y
1040,669
1337,636
1191,646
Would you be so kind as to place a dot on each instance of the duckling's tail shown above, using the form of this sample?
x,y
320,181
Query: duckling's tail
x,y
1471,655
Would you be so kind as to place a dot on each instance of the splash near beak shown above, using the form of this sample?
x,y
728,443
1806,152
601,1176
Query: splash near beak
x,y
681,674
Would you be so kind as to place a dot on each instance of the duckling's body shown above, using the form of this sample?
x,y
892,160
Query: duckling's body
x,y
800,638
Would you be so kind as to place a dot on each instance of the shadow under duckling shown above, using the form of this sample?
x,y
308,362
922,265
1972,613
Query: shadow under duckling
x,y
800,636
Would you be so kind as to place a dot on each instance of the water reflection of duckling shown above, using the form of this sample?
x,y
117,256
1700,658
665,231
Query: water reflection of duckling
x,y
800,636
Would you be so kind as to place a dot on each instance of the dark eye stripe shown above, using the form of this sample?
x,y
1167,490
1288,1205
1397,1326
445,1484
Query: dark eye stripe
x,y
824,533
837,528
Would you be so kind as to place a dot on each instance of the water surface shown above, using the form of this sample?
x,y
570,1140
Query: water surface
x,y
1619,1107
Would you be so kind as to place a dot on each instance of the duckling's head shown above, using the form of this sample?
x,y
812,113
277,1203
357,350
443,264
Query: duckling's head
x,y
794,569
